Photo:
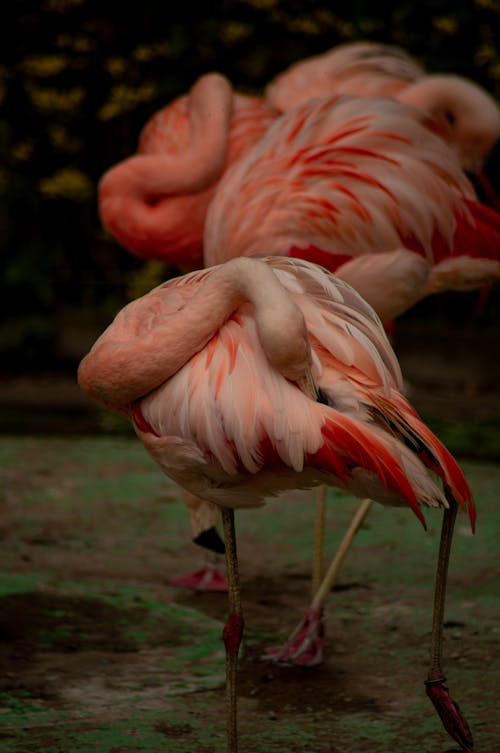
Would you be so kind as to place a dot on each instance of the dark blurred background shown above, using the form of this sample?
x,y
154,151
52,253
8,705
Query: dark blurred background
x,y
78,80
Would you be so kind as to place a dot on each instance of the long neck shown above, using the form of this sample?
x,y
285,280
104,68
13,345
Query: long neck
x,y
144,179
441,94
127,362
462,102
470,114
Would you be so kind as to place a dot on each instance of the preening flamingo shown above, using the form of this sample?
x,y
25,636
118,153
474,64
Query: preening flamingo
x,y
155,202
258,376
363,187
360,68
464,113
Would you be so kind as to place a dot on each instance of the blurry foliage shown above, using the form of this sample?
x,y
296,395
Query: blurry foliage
x,y
123,99
78,80
148,276
67,183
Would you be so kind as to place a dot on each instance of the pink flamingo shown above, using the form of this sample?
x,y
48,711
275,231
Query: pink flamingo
x,y
363,187
155,202
258,376
361,68
464,113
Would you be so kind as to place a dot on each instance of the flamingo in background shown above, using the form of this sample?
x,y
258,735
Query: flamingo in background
x,y
155,202
363,187
259,376
463,113
360,68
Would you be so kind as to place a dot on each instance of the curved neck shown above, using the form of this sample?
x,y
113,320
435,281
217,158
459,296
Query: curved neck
x,y
442,93
147,177
169,229
147,344
470,114
462,102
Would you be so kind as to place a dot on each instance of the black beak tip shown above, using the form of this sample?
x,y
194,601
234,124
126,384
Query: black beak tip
x,y
211,540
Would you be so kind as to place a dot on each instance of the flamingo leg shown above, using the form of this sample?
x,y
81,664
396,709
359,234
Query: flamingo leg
x,y
306,643
233,629
337,562
319,538
436,687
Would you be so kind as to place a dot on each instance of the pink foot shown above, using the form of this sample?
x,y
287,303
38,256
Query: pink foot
x,y
450,714
205,579
305,645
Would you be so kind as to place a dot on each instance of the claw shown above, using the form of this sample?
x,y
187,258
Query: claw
x,y
450,714
305,645
205,579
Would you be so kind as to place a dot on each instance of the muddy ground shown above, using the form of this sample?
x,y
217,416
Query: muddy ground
x,y
99,652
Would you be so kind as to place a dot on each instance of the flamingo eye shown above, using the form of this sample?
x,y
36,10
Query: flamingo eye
x,y
450,118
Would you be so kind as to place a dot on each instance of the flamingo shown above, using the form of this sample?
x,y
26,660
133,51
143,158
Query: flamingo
x,y
155,201
361,68
464,113
258,376
363,187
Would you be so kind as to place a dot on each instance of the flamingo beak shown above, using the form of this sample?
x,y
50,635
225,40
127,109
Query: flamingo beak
x,y
308,386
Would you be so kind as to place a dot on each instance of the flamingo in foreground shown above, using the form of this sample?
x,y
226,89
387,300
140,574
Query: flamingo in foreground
x,y
463,112
259,376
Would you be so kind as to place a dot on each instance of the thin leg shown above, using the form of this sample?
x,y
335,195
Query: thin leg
x,y
319,538
233,630
436,687
337,562
306,643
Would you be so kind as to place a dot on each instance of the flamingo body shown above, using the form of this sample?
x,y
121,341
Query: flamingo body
x,y
334,180
355,68
230,428
463,113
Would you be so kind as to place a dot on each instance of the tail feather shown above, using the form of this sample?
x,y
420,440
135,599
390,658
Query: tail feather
x,y
406,423
477,235
349,444
327,259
